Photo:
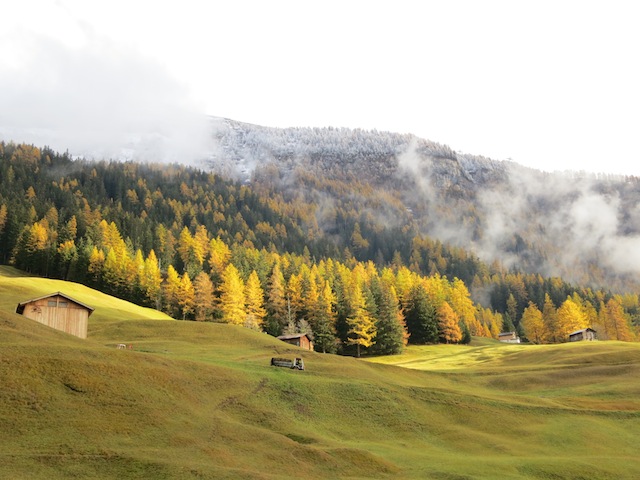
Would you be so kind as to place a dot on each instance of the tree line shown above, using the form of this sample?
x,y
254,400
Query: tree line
x,y
204,248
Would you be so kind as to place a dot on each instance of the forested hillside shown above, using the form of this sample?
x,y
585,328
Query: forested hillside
x,y
321,249
578,226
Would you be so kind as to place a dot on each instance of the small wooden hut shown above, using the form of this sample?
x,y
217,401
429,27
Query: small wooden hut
x,y
58,311
585,334
301,340
509,337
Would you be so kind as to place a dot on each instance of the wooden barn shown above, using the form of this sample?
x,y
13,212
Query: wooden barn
x,y
586,334
58,311
509,337
301,340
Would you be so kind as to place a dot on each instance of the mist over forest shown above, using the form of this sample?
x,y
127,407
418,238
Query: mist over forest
x,y
422,242
581,226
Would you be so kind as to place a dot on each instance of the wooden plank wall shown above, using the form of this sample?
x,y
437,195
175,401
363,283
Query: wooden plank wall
x,y
72,319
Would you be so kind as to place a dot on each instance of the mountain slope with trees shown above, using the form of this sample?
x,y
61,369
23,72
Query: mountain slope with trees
x,y
284,251
579,226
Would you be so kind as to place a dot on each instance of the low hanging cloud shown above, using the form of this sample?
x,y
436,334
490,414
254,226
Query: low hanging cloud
x,y
99,100
570,221
580,222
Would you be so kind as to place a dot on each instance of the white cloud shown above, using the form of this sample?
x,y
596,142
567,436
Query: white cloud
x,y
552,85
94,97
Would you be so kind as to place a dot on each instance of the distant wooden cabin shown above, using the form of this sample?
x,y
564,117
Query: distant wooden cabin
x,y
301,340
509,337
58,311
585,334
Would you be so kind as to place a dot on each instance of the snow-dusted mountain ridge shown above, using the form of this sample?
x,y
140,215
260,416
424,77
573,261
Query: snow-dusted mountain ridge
x,y
583,227
247,146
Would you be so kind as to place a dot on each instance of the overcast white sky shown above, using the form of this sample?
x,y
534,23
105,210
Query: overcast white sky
x,y
549,84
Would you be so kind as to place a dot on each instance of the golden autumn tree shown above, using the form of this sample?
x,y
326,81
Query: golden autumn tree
x,y
112,275
67,254
254,296
185,245
96,265
491,322
460,301
69,231
165,244
26,154
171,290
201,244
151,280
570,318
30,251
361,326
204,296
190,252
187,296
310,295
438,289
232,297
550,319
616,324
295,302
276,302
404,283
448,328
219,258
134,276
532,324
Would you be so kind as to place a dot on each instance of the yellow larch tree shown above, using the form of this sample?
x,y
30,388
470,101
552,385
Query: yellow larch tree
x,y
616,325
570,318
187,297
550,319
276,302
96,264
219,257
361,326
171,290
204,296
201,244
151,280
232,296
448,328
254,298
532,323
295,302
460,301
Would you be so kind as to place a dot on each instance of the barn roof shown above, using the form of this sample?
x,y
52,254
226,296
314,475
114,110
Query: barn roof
x,y
21,305
582,330
291,337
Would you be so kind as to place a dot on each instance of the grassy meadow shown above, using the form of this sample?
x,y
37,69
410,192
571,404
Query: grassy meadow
x,y
199,400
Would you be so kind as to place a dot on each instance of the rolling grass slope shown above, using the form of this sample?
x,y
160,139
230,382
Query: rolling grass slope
x,y
17,286
194,400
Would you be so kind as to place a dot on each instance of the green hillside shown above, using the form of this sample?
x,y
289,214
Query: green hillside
x,y
199,400
17,286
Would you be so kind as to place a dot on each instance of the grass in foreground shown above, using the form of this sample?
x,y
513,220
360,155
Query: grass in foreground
x,y
201,401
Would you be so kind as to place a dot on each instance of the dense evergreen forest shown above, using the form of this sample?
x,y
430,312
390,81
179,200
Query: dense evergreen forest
x,y
204,247
583,227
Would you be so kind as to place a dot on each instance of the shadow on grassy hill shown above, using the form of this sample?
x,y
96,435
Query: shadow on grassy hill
x,y
199,400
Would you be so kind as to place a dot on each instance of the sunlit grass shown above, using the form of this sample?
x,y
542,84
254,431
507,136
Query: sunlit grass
x,y
199,400
16,287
